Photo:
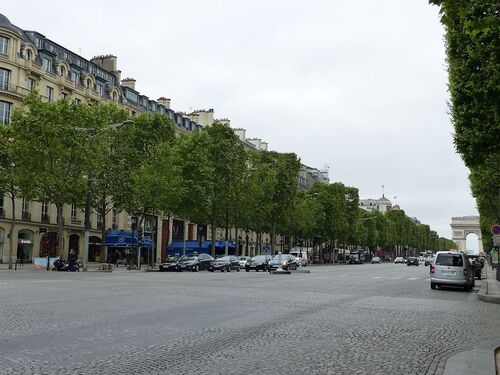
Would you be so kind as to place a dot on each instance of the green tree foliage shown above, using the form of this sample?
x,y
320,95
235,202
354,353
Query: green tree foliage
x,y
50,153
472,41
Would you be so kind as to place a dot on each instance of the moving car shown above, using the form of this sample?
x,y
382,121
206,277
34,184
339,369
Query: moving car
x,y
195,262
300,257
225,263
258,263
451,268
288,262
376,260
477,263
429,260
170,264
412,261
399,260
243,261
355,258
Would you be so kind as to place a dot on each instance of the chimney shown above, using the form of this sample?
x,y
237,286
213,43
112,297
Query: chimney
x,y
240,133
129,82
164,102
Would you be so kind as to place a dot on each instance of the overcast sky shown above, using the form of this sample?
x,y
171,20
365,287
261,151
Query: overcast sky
x,y
359,86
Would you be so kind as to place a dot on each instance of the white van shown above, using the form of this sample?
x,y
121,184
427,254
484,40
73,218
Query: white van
x,y
300,256
451,268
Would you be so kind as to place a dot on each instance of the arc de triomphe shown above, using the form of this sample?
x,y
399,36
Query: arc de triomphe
x,y
462,226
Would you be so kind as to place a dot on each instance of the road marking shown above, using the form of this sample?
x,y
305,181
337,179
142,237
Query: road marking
x,y
376,277
413,278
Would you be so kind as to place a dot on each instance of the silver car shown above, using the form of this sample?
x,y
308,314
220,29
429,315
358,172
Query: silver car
x,y
451,268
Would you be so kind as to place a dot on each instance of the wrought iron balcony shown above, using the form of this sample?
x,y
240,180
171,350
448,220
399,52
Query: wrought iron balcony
x,y
26,215
45,218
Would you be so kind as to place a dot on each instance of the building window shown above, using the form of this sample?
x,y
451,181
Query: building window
x,y
45,213
64,96
30,84
4,45
2,209
49,93
100,221
4,79
29,55
77,101
5,112
62,70
47,64
75,77
73,212
100,89
115,219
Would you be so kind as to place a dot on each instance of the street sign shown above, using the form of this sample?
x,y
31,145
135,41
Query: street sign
x,y
495,229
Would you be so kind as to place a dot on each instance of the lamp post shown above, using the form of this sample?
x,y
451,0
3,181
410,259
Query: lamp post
x,y
88,204
246,243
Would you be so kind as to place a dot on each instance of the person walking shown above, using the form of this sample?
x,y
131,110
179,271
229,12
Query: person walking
x,y
72,259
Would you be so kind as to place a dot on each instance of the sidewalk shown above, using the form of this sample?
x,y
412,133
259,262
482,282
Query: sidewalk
x,y
479,360
490,287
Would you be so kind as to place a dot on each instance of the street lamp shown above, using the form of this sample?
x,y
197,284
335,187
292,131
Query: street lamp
x,y
88,204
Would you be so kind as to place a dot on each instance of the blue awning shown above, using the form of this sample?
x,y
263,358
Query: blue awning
x,y
121,238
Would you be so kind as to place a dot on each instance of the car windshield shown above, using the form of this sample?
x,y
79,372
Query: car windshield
x,y
224,258
259,257
171,259
188,257
454,260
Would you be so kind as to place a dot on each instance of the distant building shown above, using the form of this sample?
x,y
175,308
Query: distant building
x,y
382,204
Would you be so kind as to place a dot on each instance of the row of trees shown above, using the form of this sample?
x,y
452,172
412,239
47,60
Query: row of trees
x,y
472,29
331,212
52,152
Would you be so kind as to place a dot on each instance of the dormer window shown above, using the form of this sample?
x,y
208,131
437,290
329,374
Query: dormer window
x,y
4,45
62,70
47,64
29,55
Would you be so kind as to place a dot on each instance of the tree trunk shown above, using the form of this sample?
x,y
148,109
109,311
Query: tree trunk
x,y
11,230
273,237
60,224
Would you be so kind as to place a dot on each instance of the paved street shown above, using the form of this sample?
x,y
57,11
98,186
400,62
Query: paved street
x,y
348,319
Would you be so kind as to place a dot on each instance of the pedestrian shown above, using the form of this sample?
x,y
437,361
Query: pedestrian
x,y
72,259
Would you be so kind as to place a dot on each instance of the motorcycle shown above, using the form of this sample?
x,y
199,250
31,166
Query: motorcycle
x,y
61,265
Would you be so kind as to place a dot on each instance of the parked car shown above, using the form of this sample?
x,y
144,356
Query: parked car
x,y
477,264
258,263
451,268
288,262
195,262
243,261
170,264
225,263
376,260
412,261
421,259
399,260
429,260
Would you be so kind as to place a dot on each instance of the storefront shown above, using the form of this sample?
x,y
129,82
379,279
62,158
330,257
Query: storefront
x,y
49,244
25,245
123,245
95,249
189,247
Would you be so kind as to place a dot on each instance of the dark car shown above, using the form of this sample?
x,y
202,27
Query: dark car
x,y
258,263
355,258
477,263
412,261
225,263
288,262
170,264
195,262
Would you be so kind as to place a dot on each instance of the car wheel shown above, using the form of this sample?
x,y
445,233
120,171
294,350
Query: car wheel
x,y
211,270
196,268
228,268
433,286
247,269
238,269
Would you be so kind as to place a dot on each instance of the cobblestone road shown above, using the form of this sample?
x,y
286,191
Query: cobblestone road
x,y
349,319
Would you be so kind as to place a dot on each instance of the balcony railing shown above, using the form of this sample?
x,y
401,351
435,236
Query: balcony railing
x,y
45,218
26,215
75,221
